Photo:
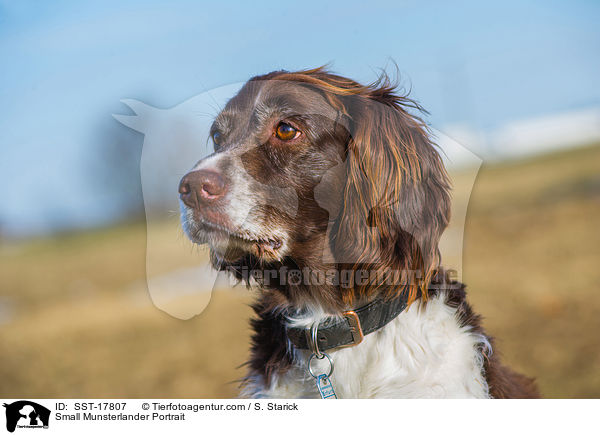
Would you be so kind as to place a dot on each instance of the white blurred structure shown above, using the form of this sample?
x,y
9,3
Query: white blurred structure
x,y
531,136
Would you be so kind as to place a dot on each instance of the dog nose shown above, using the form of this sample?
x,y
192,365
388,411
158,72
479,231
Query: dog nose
x,y
201,186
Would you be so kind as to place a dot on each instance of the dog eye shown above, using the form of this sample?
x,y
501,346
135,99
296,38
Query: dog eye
x,y
286,131
216,138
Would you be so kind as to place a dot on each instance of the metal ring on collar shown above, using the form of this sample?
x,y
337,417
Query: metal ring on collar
x,y
312,342
323,355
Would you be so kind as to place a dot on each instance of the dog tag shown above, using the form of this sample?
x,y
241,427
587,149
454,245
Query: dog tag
x,y
325,387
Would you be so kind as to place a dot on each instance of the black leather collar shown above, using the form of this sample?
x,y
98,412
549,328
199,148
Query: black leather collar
x,y
349,330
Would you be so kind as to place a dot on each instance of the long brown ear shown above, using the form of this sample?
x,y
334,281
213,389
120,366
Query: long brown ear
x,y
396,198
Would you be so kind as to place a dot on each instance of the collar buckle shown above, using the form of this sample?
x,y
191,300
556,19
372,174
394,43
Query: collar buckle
x,y
355,328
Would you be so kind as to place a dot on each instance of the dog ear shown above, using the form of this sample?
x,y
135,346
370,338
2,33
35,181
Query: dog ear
x,y
396,201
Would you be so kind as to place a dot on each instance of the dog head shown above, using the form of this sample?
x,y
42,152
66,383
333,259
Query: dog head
x,y
314,169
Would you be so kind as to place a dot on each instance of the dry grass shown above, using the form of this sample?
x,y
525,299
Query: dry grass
x,y
532,264
80,324
75,320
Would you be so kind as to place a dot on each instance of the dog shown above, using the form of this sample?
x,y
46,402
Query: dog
x,y
331,197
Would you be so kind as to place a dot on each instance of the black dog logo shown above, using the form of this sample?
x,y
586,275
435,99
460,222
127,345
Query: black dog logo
x,y
30,412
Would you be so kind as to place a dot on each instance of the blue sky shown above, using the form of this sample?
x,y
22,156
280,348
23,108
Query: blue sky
x,y
65,65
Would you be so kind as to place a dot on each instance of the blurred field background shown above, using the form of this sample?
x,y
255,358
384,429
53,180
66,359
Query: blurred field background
x,y
76,319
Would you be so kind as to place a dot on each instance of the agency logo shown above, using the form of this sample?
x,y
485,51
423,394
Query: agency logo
x,y
26,414
175,139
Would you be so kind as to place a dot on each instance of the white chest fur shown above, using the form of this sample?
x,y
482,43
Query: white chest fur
x,y
423,353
